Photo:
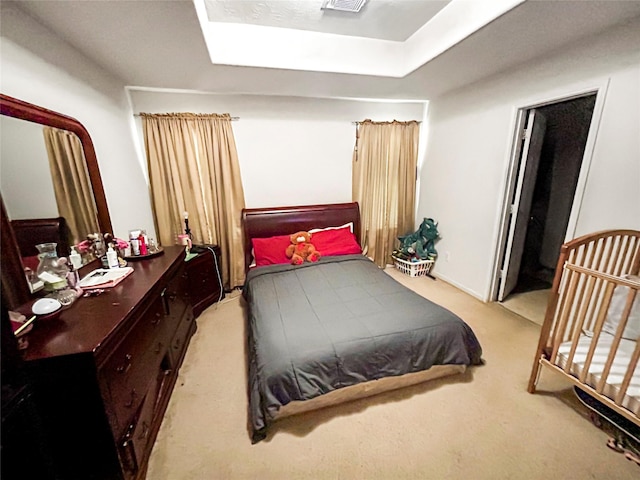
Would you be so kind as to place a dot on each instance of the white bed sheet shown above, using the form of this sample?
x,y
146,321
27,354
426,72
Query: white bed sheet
x,y
621,361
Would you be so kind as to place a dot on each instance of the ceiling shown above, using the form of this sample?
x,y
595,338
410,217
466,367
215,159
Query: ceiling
x,y
393,20
386,38
398,49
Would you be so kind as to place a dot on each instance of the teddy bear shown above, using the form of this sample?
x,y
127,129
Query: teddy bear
x,y
302,249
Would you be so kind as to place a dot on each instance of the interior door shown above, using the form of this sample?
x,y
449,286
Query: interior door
x,y
521,205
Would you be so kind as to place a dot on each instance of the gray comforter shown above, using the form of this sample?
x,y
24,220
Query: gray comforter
x,y
314,328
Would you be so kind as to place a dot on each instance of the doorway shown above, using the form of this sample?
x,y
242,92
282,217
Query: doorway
x,y
553,139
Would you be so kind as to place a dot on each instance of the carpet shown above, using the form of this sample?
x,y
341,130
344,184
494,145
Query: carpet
x,y
479,425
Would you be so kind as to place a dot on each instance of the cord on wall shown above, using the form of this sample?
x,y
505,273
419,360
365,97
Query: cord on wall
x,y
215,262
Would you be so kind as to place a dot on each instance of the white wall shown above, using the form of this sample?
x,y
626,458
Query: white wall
x,y
40,68
292,151
462,177
464,173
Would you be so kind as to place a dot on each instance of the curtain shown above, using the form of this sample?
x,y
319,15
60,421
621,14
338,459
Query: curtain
x,y
193,167
71,185
384,183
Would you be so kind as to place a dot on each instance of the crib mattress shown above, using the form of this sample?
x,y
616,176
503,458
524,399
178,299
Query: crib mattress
x,y
631,400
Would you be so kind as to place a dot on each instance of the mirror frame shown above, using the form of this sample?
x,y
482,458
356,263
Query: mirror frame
x,y
15,290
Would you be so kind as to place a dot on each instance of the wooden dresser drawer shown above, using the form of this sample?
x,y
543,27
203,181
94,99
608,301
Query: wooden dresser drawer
x,y
135,441
134,363
176,297
203,270
204,279
185,330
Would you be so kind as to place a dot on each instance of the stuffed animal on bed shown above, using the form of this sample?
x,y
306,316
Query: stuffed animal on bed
x,y
302,249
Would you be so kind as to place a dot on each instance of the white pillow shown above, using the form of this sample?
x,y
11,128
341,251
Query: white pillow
x,y
614,314
315,230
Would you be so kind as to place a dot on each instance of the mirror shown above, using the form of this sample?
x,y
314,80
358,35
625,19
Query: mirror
x,y
26,118
44,176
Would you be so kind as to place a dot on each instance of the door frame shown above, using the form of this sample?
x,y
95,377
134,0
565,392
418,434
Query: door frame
x,y
518,121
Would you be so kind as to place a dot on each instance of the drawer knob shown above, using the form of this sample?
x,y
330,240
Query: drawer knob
x,y
156,318
158,348
127,364
145,431
129,456
132,398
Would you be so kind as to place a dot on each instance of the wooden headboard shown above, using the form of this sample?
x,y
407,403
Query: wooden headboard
x,y
30,233
272,221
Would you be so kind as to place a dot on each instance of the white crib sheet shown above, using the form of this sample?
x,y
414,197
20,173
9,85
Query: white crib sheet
x,y
631,400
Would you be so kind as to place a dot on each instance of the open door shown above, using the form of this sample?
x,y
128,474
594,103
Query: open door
x,y
533,137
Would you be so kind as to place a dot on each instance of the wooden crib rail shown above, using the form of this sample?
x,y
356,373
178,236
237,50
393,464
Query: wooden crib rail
x,y
590,321
588,271
614,253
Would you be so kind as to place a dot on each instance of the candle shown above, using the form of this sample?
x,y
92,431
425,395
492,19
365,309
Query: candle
x,y
186,215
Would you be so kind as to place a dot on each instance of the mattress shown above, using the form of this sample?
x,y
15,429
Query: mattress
x,y
317,328
368,389
631,400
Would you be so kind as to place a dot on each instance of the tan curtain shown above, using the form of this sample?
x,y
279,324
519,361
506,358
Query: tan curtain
x,y
194,168
71,185
384,183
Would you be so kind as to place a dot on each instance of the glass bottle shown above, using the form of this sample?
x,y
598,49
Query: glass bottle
x,y
53,272
50,270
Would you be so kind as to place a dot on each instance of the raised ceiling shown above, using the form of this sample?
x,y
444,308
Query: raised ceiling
x,y
303,36
394,20
160,44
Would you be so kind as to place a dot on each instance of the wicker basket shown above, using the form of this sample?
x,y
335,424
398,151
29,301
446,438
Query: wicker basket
x,y
413,269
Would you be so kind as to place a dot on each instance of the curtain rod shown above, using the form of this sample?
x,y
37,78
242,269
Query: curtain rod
x,y
233,119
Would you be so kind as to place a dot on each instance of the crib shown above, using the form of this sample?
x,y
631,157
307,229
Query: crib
x,y
592,325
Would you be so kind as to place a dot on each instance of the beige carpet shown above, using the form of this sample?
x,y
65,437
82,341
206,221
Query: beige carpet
x,y
480,425
530,305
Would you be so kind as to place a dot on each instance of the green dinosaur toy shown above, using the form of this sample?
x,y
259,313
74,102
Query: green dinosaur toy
x,y
419,244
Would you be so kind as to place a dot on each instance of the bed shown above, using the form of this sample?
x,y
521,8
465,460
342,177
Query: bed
x,y
592,324
328,332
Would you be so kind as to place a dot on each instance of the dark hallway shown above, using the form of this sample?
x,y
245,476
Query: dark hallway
x,y
565,138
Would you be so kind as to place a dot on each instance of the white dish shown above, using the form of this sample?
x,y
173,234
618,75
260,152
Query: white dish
x,y
45,306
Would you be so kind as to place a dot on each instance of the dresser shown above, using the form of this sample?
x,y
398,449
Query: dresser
x,y
204,275
103,370
21,425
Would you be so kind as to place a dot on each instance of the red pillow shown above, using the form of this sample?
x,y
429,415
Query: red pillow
x,y
339,241
31,262
269,251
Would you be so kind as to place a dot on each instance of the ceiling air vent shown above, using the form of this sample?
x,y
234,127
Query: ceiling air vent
x,y
343,5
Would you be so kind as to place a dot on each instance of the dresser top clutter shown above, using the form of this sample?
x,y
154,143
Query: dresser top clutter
x,y
86,323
